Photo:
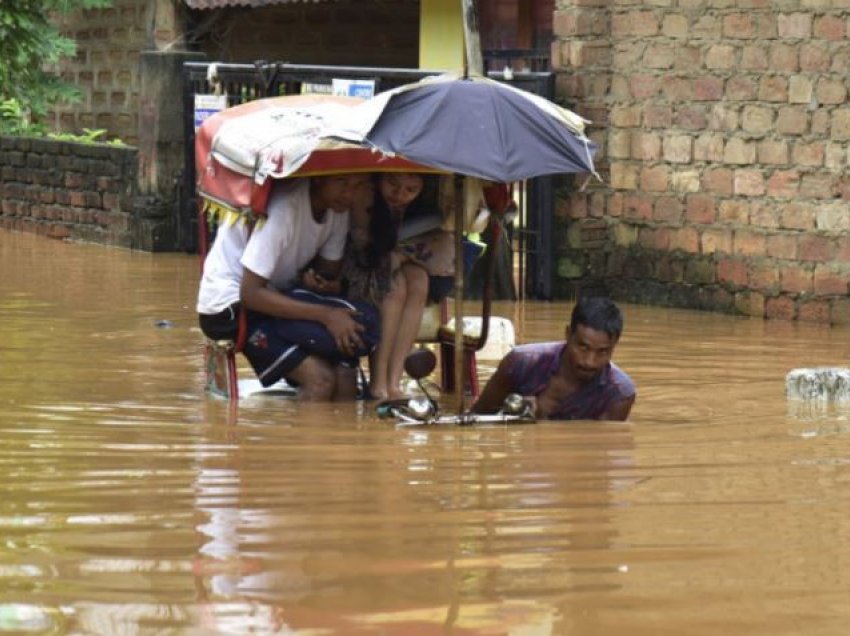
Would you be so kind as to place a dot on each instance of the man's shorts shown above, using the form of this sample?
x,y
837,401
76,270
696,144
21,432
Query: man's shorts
x,y
276,346
221,326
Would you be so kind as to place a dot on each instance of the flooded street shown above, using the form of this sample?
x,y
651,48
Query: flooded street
x,y
132,503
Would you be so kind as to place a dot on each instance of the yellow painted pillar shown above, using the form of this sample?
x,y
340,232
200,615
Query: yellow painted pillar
x,y
441,44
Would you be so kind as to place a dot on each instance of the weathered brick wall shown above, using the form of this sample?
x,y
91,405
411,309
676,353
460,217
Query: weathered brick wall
x,y
106,67
110,42
128,68
68,190
725,133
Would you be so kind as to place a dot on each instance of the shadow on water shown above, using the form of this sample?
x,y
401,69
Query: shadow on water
x,y
131,503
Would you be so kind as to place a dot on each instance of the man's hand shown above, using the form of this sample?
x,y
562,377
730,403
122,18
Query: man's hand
x,y
314,281
533,405
345,329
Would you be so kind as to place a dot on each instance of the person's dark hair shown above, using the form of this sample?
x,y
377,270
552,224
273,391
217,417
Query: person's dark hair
x,y
383,228
426,202
598,313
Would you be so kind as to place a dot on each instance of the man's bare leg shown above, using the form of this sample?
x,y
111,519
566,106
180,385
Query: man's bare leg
x,y
346,384
316,379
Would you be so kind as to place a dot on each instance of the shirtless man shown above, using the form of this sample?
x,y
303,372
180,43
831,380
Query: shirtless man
x,y
572,380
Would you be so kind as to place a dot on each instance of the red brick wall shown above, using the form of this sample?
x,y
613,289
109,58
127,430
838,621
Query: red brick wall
x,y
68,190
725,134
105,68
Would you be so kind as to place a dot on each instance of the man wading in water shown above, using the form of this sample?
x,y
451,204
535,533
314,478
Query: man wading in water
x,y
572,380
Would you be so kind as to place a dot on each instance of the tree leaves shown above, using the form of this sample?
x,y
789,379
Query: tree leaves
x,y
29,44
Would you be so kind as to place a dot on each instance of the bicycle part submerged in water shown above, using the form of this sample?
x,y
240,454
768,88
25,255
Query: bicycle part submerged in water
x,y
468,418
424,411
419,412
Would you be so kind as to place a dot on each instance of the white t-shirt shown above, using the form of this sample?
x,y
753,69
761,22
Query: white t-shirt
x,y
222,273
278,249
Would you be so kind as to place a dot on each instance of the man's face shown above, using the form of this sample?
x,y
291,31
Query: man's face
x,y
588,351
338,192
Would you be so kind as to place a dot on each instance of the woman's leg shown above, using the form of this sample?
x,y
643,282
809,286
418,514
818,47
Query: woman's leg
x,y
391,315
416,284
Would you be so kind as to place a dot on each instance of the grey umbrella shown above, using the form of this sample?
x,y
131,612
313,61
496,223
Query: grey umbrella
x,y
479,127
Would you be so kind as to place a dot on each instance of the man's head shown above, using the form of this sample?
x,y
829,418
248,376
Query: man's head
x,y
600,314
336,192
594,330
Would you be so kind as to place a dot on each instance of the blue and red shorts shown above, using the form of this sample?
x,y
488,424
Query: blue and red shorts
x,y
276,346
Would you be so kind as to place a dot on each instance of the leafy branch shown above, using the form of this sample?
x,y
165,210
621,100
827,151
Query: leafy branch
x,y
29,44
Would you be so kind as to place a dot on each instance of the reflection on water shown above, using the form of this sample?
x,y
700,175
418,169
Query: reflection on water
x,y
130,503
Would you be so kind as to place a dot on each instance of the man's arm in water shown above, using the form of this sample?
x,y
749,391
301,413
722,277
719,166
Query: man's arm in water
x,y
619,411
497,389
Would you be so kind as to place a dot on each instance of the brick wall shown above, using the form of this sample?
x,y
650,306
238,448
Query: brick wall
x,y
67,190
725,133
110,41
105,68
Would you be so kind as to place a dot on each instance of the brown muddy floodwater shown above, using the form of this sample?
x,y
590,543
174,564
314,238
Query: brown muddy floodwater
x,y
131,503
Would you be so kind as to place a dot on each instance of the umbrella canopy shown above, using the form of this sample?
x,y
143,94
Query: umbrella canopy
x,y
471,126
240,149
474,126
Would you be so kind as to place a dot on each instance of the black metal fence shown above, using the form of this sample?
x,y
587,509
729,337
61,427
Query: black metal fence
x,y
246,82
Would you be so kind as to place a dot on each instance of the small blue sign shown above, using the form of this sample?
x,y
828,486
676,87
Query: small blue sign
x,y
208,105
354,88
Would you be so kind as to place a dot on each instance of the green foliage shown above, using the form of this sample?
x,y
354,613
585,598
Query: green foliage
x,y
29,43
89,136
15,119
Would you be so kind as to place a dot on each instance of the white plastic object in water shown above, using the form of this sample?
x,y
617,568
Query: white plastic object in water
x,y
826,384
500,340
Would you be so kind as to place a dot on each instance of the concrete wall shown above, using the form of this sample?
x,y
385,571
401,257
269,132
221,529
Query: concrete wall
x,y
68,190
725,132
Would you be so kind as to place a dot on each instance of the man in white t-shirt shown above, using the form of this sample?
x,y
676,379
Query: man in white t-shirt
x,y
306,222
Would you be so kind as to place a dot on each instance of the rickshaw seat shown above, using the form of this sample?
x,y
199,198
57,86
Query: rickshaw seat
x,y
498,199
220,366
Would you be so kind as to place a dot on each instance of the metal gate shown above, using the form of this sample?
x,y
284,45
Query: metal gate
x,y
531,235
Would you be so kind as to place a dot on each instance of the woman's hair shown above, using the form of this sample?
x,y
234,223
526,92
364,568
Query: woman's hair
x,y
383,227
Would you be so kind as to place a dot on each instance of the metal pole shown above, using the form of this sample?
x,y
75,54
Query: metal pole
x,y
459,366
473,62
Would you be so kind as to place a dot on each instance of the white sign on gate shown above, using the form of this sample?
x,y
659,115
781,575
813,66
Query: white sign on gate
x,y
207,105
354,88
